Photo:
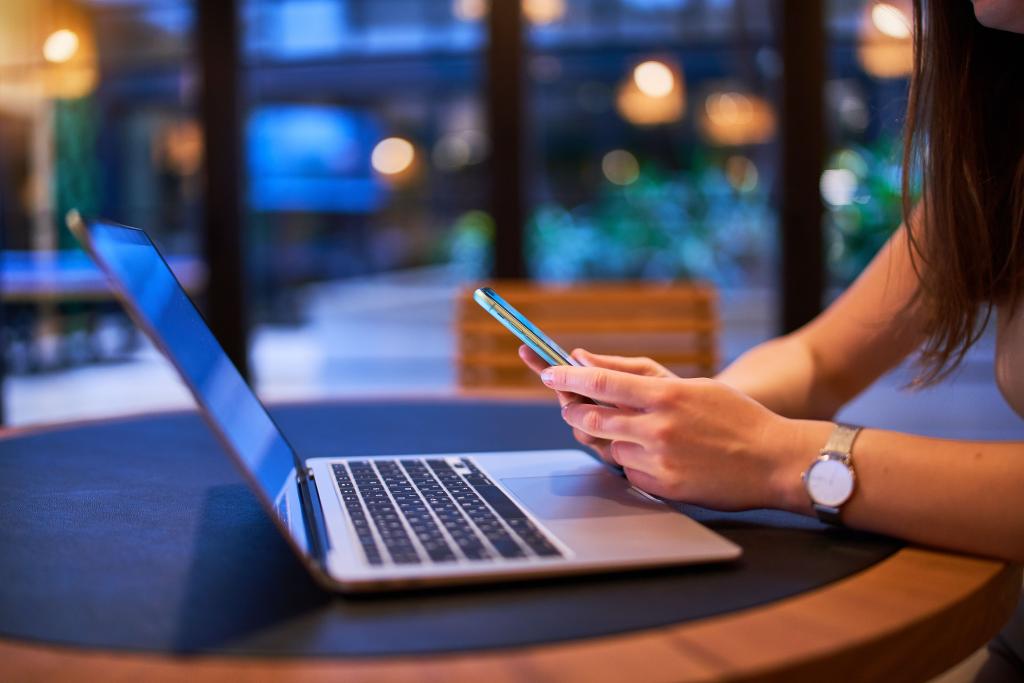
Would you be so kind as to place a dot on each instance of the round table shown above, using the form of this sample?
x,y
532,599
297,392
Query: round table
x,y
906,617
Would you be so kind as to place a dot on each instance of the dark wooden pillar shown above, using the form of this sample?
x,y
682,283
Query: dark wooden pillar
x,y
219,46
506,108
802,154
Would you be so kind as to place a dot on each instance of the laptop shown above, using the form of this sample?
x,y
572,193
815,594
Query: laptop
x,y
408,520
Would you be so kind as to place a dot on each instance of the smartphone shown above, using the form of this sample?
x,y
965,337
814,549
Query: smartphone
x,y
528,333
516,323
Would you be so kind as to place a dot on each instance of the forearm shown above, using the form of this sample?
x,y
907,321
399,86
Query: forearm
x,y
957,495
864,333
781,375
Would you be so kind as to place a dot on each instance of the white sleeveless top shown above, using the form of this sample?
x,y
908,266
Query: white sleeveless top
x,y
1009,361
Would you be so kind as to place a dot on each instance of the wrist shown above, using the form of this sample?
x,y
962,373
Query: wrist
x,y
795,446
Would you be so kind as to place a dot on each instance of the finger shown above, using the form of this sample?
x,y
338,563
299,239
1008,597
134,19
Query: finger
x,y
588,440
532,360
601,447
636,366
603,453
537,364
647,483
604,422
607,386
629,454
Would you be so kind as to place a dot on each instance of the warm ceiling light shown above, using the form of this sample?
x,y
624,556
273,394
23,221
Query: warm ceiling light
x,y
729,108
653,94
60,46
890,21
469,10
885,49
654,78
391,156
735,118
537,12
542,12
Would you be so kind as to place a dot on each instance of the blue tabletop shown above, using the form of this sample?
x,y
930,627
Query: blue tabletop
x,y
139,534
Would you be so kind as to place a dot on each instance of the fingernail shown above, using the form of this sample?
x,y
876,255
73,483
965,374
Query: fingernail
x,y
547,376
565,409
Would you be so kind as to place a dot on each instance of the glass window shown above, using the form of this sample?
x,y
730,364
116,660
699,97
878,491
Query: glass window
x,y
365,146
655,148
96,114
870,59
652,155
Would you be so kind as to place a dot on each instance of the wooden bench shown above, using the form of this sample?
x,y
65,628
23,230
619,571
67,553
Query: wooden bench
x,y
676,324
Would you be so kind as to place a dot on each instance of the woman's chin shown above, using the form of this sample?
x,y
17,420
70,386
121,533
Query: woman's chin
x,y
1003,15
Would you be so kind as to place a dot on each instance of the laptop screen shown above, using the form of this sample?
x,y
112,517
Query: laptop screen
x,y
166,313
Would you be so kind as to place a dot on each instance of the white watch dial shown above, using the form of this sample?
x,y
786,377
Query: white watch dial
x,y
829,482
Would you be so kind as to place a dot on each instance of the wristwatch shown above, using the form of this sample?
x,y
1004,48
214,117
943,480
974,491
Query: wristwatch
x,y
829,479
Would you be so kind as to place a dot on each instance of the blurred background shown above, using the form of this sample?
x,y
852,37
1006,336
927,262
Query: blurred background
x,y
327,174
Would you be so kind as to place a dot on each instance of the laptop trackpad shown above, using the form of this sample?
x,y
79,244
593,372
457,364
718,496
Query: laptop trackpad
x,y
579,496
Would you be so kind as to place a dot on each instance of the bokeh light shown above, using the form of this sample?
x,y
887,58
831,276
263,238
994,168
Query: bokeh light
x,y
853,113
543,12
469,10
537,12
890,21
886,47
736,118
653,94
450,153
60,46
392,156
741,173
838,186
654,78
620,167
460,149
181,146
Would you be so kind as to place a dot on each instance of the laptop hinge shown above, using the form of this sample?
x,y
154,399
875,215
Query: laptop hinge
x,y
313,516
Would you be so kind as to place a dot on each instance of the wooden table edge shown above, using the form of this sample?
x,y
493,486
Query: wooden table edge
x,y
908,617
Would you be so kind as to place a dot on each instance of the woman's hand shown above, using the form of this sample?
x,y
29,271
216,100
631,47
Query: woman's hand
x,y
693,440
637,366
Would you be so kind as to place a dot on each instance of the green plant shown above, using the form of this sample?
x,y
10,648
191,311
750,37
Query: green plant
x,y
860,219
698,224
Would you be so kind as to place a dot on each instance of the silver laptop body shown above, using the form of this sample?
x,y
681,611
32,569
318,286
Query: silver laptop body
x,y
385,523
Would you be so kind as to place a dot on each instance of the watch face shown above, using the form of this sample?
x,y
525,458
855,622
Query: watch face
x,y
829,482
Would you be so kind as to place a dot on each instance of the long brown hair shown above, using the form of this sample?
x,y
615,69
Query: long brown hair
x,y
965,139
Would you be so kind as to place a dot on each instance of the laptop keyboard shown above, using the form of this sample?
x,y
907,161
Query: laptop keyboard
x,y
433,510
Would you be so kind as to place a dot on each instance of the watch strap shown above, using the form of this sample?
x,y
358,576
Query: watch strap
x,y
827,514
841,439
839,445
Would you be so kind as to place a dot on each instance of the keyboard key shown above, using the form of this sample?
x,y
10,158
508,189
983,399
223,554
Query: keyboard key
x,y
383,515
357,516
